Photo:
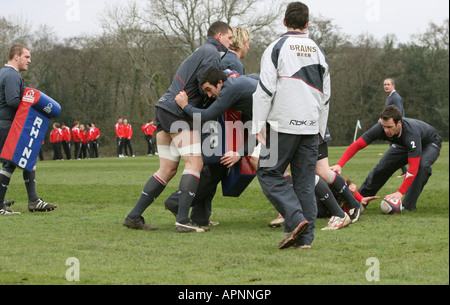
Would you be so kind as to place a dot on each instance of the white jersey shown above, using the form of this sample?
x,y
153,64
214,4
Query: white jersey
x,y
294,89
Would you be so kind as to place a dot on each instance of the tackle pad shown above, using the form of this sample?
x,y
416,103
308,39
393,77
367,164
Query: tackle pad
x,y
242,173
28,129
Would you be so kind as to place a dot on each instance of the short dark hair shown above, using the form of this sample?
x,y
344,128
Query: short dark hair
x,y
213,76
218,27
391,112
297,15
16,50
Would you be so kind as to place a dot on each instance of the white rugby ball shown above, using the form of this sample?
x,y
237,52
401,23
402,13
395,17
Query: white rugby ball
x,y
391,206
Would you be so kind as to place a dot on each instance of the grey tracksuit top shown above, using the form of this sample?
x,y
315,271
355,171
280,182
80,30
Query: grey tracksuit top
x,y
188,77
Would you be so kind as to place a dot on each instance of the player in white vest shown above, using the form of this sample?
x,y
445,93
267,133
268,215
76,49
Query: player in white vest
x,y
293,96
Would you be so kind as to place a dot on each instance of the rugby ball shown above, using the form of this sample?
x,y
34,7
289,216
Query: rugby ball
x,y
393,206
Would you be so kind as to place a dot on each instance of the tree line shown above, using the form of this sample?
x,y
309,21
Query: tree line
x,y
125,70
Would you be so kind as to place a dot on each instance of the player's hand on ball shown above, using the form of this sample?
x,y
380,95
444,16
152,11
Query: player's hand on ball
x,y
396,196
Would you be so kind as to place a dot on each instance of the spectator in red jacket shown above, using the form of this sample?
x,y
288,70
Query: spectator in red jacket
x,y
148,130
84,136
56,139
127,135
66,140
119,136
76,138
94,135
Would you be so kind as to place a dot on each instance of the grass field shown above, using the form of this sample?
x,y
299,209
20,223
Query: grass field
x,y
93,197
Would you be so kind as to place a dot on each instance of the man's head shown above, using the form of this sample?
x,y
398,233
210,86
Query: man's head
x,y
19,57
389,85
212,82
240,41
222,32
297,16
119,120
391,120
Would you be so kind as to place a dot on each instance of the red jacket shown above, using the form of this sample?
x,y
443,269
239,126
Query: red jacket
x,y
56,136
84,136
127,131
94,134
76,134
119,130
66,134
148,129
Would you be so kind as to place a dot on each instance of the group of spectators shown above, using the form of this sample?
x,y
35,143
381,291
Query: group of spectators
x,y
84,139
124,134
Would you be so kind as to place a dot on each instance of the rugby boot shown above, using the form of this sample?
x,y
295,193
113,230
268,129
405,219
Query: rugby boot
x,y
290,237
276,223
40,206
337,223
6,212
9,203
137,224
188,228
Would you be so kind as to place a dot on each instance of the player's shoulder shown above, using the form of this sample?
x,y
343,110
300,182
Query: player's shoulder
x,y
396,95
9,73
412,124
242,82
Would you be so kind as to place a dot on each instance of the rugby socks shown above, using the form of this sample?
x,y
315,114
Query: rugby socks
x,y
5,178
325,196
187,190
30,184
154,187
340,185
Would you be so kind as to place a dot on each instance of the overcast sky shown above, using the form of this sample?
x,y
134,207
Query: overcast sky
x,y
378,17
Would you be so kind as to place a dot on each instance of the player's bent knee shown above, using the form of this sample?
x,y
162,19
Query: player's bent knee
x,y
167,173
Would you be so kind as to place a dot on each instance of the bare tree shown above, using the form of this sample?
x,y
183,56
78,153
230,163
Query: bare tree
x,y
328,35
183,24
13,32
137,44
436,37
165,32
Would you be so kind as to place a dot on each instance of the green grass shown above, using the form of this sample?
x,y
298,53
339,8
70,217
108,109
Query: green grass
x,y
93,197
